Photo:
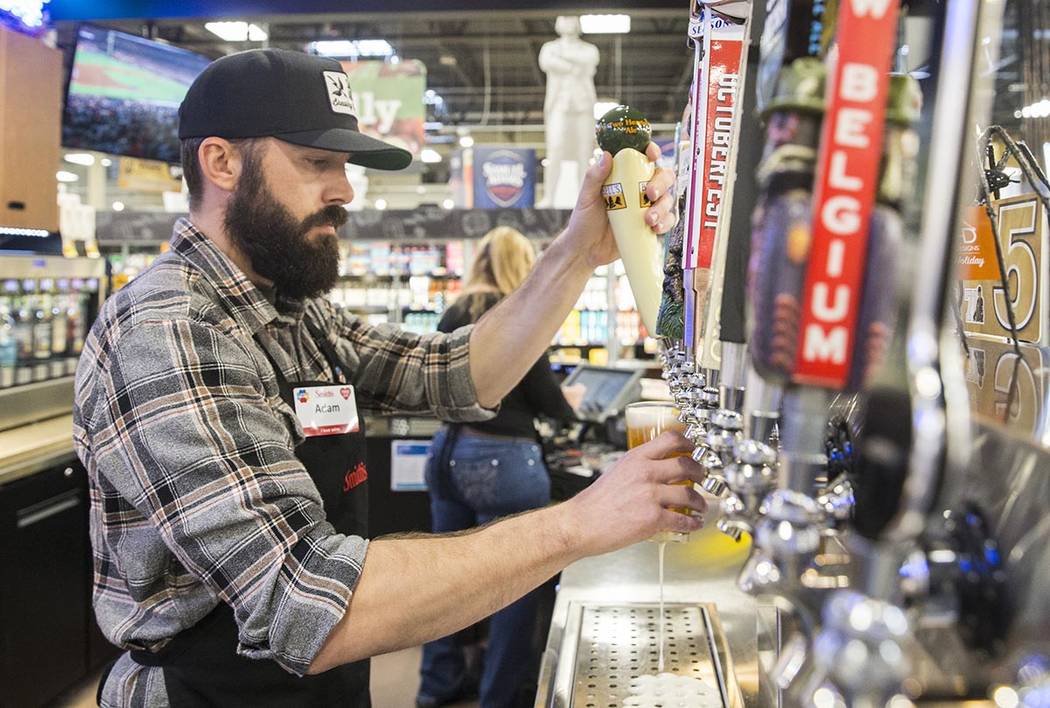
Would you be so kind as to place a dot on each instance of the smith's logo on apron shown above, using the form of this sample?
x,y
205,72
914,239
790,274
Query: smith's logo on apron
x,y
355,477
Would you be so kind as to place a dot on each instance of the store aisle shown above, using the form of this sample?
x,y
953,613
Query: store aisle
x,y
395,678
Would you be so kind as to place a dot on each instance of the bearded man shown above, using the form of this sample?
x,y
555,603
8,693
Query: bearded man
x,y
219,408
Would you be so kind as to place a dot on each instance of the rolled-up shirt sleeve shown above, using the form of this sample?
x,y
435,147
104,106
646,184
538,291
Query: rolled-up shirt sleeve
x,y
187,434
401,371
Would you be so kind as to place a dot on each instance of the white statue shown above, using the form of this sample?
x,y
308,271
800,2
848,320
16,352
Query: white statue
x,y
568,111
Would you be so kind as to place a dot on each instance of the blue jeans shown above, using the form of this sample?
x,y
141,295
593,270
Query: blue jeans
x,y
487,478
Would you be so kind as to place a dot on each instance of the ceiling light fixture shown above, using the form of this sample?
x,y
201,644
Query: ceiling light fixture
x,y
605,24
430,156
1039,109
29,13
332,47
18,231
237,31
80,158
65,176
351,48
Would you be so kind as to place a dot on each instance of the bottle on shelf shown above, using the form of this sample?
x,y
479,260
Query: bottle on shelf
x,y
41,331
59,328
22,315
8,344
77,314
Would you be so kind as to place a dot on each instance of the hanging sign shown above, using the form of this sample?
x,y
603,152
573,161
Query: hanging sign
x,y
1023,241
389,100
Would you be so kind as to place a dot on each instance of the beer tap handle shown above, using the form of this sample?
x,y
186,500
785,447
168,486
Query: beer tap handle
x,y
782,231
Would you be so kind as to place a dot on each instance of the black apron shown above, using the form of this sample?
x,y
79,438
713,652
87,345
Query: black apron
x,y
201,664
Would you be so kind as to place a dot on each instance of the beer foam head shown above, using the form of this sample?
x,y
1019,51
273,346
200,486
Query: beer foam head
x,y
671,691
652,415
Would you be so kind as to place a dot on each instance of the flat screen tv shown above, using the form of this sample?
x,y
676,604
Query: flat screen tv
x,y
124,93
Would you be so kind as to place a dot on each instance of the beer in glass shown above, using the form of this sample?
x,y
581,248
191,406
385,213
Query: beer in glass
x,y
645,421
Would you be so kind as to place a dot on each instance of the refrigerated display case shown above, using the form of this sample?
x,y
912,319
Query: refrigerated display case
x,y
48,638
46,306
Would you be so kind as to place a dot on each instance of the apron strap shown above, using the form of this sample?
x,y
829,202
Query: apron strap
x,y
327,350
334,360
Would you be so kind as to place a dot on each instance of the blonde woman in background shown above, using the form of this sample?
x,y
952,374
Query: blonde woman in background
x,y
483,471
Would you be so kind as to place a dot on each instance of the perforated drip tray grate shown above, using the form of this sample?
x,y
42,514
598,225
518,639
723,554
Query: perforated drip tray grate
x,y
617,658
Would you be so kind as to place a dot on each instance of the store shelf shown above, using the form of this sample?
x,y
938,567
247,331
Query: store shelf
x,y
411,285
367,309
393,277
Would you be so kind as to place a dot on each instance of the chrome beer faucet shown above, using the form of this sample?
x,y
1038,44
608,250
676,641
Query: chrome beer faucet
x,y
752,474
787,525
727,421
749,479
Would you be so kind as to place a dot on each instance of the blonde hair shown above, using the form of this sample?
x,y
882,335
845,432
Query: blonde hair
x,y
502,263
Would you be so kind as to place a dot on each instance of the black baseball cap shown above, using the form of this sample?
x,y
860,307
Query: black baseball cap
x,y
299,98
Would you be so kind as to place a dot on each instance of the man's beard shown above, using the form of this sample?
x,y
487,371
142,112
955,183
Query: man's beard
x,y
276,243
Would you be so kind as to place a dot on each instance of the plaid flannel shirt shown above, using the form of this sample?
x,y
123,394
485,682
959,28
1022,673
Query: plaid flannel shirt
x,y
196,494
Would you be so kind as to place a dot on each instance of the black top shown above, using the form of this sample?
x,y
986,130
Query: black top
x,y
538,392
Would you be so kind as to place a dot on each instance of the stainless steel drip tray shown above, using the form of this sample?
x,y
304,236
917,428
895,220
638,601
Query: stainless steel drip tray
x,y
610,656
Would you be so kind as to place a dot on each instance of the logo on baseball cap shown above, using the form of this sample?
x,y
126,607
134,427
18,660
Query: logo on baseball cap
x,y
299,98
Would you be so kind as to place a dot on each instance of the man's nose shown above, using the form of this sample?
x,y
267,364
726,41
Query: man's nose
x,y
340,191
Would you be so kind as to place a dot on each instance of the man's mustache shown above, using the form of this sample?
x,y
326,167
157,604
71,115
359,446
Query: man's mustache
x,y
334,216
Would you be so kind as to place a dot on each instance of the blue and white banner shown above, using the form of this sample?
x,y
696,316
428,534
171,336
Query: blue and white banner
x,y
504,178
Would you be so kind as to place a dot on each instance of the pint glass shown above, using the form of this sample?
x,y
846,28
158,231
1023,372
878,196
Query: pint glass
x,y
645,421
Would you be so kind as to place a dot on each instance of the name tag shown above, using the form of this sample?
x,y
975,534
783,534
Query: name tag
x,y
326,410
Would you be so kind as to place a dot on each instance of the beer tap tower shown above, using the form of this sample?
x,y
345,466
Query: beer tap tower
x,y
859,640
899,501
870,617
710,389
824,234
902,541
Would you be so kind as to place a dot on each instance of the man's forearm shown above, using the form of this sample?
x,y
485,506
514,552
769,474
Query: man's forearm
x,y
507,341
417,589
413,590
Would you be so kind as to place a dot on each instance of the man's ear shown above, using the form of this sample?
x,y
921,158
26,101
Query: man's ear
x,y
220,163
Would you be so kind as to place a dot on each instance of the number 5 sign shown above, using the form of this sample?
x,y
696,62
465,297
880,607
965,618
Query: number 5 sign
x,y
1023,242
